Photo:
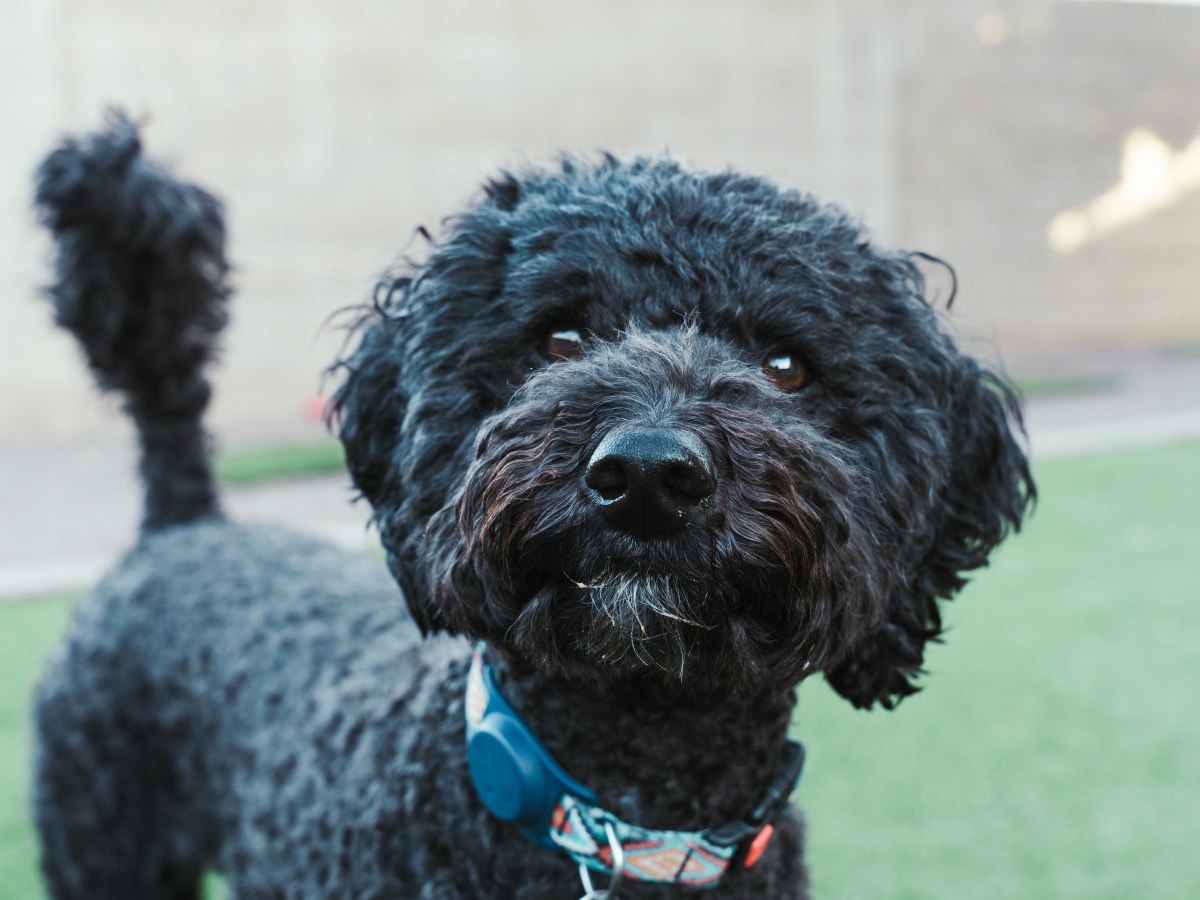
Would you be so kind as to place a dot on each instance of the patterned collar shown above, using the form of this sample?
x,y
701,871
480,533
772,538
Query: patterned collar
x,y
520,782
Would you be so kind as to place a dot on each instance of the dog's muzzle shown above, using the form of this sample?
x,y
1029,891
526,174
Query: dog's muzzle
x,y
649,482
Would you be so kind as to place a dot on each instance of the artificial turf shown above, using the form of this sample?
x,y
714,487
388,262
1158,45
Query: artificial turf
x,y
1055,752
275,462
27,631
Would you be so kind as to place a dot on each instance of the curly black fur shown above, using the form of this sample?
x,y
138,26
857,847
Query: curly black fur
x,y
247,700
847,510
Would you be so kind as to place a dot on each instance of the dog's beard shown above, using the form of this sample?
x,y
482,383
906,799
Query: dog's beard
x,y
617,622
755,592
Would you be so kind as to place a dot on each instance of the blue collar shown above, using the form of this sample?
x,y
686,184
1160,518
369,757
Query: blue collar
x,y
520,782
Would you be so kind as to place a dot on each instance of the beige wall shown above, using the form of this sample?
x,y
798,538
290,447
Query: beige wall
x,y
333,129
1003,134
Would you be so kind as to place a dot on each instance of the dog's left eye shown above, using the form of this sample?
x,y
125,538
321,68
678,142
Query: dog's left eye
x,y
787,370
565,343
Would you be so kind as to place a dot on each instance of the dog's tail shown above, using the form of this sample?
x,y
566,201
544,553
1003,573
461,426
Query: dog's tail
x,y
142,283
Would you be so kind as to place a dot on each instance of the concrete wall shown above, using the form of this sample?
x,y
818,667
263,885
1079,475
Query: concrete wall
x,y
1017,116
333,129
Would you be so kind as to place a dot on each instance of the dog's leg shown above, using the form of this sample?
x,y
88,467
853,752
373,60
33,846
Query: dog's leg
x,y
107,809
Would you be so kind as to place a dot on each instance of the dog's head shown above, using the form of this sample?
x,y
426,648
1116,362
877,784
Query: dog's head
x,y
633,422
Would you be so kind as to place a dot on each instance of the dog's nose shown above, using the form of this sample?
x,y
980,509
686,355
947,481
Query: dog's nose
x,y
648,481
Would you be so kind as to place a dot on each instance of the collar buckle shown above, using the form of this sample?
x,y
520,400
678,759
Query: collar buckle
x,y
748,834
618,869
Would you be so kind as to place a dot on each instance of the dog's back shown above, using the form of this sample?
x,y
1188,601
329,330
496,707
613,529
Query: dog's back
x,y
209,688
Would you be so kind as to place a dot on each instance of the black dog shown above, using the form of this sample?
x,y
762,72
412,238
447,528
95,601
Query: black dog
x,y
667,442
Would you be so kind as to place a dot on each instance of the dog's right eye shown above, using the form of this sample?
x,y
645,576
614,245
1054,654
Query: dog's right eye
x,y
788,370
564,343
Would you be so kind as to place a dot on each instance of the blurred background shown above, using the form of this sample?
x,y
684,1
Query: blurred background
x,y
1049,150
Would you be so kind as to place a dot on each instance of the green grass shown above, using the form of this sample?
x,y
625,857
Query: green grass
x,y
214,887
1186,348
251,465
1067,385
27,631
1055,752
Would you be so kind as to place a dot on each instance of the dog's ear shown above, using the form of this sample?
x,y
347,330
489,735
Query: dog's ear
x,y
985,492
405,415
368,405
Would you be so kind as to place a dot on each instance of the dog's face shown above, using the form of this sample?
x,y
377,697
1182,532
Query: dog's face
x,y
630,422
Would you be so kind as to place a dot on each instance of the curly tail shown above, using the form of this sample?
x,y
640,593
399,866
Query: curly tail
x,y
142,283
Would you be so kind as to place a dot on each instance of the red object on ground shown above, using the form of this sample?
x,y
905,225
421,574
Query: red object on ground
x,y
316,408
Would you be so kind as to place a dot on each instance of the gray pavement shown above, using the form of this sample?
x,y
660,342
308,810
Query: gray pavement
x,y
1147,399
68,509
